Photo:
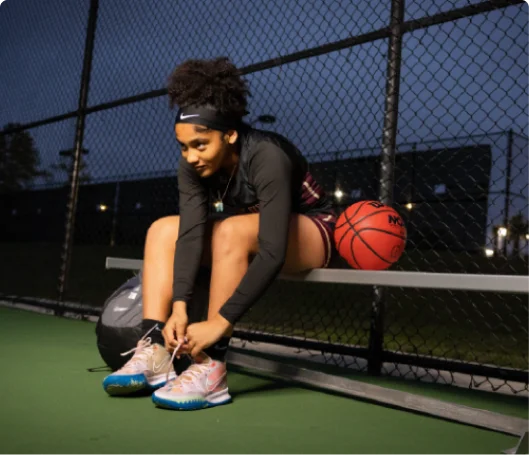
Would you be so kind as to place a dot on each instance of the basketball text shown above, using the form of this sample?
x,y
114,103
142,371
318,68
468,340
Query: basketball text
x,y
392,219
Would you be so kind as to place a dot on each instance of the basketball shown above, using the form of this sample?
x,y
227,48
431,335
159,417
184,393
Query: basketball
x,y
370,235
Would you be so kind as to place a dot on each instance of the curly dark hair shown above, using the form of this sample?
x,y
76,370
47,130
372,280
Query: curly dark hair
x,y
214,82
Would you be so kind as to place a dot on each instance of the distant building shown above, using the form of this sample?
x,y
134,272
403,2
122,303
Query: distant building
x,y
442,194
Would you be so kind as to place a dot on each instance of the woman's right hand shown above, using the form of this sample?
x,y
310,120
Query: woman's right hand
x,y
175,328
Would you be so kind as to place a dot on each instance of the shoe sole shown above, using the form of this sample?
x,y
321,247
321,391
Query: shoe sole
x,y
127,385
218,399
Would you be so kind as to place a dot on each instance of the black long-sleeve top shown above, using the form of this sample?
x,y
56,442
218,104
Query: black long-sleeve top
x,y
272,179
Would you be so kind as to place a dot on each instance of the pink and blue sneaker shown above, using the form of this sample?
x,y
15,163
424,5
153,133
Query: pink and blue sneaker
x,y
202,385
149,369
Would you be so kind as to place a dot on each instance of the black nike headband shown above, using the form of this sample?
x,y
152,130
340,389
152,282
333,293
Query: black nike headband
x,y
207,117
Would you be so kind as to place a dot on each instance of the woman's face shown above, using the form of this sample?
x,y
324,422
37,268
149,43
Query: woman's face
x,y
205,149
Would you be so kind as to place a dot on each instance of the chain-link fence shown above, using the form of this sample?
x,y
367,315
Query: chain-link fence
x,y
419,104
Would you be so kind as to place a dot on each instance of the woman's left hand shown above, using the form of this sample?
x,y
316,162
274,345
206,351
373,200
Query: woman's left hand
x,y
202,335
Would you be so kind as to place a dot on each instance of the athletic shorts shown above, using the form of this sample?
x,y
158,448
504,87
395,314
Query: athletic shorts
x,y
325,223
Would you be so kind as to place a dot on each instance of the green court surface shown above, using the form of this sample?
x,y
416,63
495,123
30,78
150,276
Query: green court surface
x,y
51,403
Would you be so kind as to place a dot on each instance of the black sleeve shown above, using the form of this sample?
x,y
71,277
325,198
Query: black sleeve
x,y
271,173
193,201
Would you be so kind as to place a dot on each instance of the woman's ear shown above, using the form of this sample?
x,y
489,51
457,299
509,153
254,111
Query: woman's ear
x,y
231,136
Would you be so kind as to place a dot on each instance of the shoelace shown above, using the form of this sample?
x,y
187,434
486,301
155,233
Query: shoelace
x,y
144,343
140,349
178,346
193,373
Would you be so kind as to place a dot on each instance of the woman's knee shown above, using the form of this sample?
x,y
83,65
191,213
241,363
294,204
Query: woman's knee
x,y
164,230
234,235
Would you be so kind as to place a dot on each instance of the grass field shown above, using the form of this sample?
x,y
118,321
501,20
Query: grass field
x,y
486,328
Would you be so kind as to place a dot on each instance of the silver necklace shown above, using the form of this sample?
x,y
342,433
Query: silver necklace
x,y
219,204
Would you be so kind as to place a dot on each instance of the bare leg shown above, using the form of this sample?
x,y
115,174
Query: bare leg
x,y
229,261
158,263
236,238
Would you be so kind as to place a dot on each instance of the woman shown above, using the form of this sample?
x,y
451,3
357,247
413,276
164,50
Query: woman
x,y
268,216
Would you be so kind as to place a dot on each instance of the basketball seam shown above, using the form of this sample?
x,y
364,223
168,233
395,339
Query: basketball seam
x,y
340,243
353,251
353,215
367,245
360,208
381,230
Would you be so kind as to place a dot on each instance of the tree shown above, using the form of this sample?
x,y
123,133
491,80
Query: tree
x,y
19,160
64,167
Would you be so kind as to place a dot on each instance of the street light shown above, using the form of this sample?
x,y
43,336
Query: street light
x,y
502,232
489,253
409,206
338,194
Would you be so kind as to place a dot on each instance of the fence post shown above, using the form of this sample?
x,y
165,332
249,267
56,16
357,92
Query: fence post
x,y
506,212
78,146
387,165
115,211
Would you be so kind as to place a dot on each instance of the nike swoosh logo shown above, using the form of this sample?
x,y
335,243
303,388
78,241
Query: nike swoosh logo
x,y
157,368
183,117
211,386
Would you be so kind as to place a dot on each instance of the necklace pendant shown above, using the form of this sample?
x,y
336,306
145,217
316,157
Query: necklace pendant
x,y
219,206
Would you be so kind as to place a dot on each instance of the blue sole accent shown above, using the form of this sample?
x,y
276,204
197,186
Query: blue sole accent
x,y
125,380
186,406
